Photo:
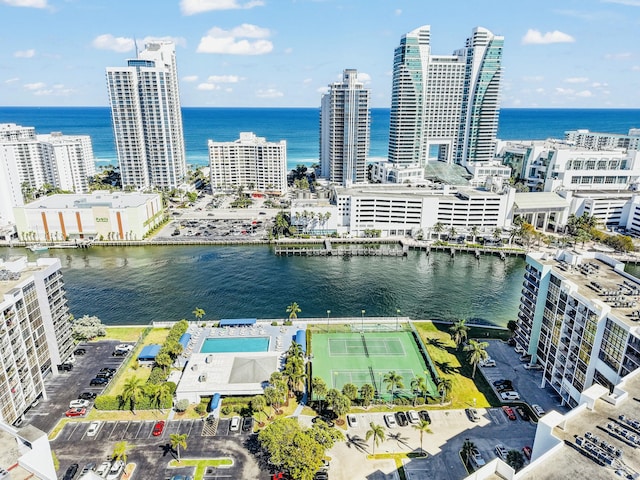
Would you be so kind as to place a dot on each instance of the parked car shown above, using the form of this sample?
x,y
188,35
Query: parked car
x,y
472,414
119,353
501,451
413,416
510,395
424,415
103,469
390,420
402,419
158,428
124,346
503,381
98,381
504,388
533,366
65,367
93,429
519,349
523,413
87,395
488,362
76,412
116,470
508,411
89,467
247,424
527,452
79,403
71,472
477,458
235,424
352,420
538,409
80,351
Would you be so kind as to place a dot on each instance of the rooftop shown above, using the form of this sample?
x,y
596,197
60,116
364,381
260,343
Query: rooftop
x,y
90,200
14,271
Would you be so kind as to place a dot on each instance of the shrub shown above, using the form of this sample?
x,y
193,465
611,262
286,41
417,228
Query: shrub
x,y
107,402
287,323
157,376
274,324
182,405
201,409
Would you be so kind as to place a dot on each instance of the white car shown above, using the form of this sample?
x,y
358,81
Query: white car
x,y
533,366
519,349
235,424
538,409
510,395
488,362
501,451
124,346
116,470
352,420
476,457
413,416
93,429
79,403
390,420
103,469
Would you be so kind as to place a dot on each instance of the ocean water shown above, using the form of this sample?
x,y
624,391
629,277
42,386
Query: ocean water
x,y
300,127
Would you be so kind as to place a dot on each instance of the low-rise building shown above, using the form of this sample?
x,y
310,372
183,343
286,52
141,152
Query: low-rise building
x,y
98,216
25,453
604,141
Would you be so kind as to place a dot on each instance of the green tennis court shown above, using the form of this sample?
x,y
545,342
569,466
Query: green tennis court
x,y
340,358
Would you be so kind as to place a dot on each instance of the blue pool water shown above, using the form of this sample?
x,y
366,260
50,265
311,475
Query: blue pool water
x,y
241,344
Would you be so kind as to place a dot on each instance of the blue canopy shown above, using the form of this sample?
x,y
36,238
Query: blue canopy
x,y
149,353
237,322
215,401
184,340
301,339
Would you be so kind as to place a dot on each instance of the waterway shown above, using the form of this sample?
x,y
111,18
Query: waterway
x,y
137,285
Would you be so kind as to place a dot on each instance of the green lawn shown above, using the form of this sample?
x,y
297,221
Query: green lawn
x,y
202,464
123,334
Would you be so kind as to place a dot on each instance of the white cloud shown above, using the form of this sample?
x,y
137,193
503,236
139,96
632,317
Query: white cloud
x,y
322,90
617,56
109,42
535,78
584,94
269,93
35,86
9,81
24,53
177,40
630,3
398,11
234,41
190,78
307,81
208,86
364,77
192,7
26,3
635,68
576,80
288,51
224,79
535,37
540,90
599,84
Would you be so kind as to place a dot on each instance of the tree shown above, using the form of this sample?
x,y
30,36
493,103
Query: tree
x,y
120,451
271,397
341,405
444,385
319,389
515,459
438,228
477,353
350,390
423,427
87,328
452,232
393,381
331,397
325,435
474,232
497,234
583,236
467,448
163,360
161,395
178,440
198,313
418,385
458,332
132,392
293,310
376,432
293,372
258,403
367,392
512,326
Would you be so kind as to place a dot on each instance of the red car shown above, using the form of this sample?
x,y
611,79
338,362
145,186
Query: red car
x,y
527,452
158,428
508,411
76,412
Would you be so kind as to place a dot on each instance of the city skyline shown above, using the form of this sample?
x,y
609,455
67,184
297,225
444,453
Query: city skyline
x,y
260,53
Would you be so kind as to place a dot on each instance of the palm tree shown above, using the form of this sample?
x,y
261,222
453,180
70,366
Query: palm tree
x,y
438,228
161,395
198,313
418,385
132,392
293,310
444,385
497,233
367,392
452,232
474,233
258,404
423,427
477,353
178,440
459,332
467,447
393,381
378,434
120,451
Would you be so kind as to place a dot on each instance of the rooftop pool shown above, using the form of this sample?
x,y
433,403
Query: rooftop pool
x,y
235,344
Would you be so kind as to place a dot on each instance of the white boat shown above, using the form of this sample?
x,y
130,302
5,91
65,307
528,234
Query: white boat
x,y
38,248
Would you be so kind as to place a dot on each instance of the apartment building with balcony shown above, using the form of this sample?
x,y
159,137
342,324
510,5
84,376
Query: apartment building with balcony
x,y
579,317
35,332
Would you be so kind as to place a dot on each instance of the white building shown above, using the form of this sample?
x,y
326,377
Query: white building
x,y
445,107
35,333
345,121
250,162
26,453
147,120
604,141
27,159
97,216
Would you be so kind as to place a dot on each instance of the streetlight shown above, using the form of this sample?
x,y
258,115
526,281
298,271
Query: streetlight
x,y
397,315
363,312
328,313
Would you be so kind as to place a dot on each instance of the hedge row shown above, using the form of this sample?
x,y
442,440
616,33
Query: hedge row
x,y
111,402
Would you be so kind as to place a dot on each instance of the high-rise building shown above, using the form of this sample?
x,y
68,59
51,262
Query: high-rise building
x,y
35,332
29,161
345,121
445,107
249,162
147,120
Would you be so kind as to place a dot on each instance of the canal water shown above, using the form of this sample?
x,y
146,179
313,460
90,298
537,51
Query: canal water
x,y
137,285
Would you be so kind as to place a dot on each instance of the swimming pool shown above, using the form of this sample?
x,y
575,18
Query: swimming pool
x,y
239,344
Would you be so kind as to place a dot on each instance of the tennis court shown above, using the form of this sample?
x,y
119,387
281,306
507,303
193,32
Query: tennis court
x,y
359,358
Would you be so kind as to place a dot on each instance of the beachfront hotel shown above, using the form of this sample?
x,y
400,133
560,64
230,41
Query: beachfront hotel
x,y
35,332
250,162
345,121
29,160
147,120
99,215
445,107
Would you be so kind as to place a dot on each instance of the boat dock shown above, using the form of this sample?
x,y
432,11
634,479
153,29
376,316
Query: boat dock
x,y
342,249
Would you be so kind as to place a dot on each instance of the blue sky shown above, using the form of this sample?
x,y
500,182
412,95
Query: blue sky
x,y
284,53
